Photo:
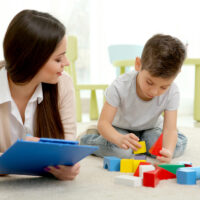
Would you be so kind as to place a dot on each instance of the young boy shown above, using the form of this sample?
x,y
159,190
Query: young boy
x,y
135,102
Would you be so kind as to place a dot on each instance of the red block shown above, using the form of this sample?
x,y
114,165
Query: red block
x,y
164,174
155,149
188,165
137,170
151,179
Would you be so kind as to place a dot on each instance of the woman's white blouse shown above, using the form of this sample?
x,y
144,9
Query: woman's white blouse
x,y
17,127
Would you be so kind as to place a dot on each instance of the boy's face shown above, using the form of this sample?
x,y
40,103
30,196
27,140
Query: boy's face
x,y
148,86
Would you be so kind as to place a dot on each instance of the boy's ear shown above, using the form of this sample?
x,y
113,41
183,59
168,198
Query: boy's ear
x,y
137,64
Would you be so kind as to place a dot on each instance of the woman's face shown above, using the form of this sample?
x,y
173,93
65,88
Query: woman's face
x,y
54,67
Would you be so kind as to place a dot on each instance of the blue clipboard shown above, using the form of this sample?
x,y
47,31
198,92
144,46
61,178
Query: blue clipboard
x,y
30,158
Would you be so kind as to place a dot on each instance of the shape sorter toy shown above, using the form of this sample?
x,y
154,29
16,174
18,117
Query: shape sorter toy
x,y
111,163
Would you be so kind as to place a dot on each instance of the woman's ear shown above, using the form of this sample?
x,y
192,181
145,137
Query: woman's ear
x,y
137,64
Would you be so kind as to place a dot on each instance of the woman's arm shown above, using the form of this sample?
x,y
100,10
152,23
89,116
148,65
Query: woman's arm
x,y
67,106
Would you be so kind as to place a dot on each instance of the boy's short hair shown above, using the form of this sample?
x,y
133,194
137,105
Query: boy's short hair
x,y
163,56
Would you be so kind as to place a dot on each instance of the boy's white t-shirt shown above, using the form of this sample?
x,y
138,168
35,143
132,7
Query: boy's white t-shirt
x,y
132,112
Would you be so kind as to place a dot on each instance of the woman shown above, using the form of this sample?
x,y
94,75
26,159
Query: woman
x,y
36,97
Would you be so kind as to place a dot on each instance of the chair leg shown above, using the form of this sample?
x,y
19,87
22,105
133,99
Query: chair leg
x,y
197,93
122,70
78,106
104,98
94,113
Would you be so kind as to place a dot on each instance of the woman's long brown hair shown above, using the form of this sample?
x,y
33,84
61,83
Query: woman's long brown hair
x,y
30,40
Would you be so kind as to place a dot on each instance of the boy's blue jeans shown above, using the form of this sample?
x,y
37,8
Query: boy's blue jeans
x,y
150,136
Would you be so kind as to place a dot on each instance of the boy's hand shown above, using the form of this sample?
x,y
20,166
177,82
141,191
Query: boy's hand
x,y
166,156
63,172
129,141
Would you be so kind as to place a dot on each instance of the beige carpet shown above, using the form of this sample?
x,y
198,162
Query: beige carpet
x,y
96,183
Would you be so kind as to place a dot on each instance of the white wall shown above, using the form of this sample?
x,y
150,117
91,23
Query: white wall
x,y
134,22
99,23
67,11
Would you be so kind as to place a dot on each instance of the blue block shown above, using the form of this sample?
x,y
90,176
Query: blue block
x,y
197,170
111,163
186,175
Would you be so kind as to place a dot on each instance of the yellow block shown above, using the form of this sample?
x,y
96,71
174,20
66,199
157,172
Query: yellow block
x,y
136,163
126,165
142,149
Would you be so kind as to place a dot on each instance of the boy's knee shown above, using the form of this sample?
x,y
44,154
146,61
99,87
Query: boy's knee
x,y
180,145
122,153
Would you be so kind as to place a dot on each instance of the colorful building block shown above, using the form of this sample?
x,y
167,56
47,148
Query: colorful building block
x,y
142,149
126,165
187,164
140,157
197,170
155,149
111,163
137,170
171,167
145,168
128,180
164,174
151,178
186,175
136,164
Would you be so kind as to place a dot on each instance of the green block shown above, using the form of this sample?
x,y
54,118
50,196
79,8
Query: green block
x,y
171,167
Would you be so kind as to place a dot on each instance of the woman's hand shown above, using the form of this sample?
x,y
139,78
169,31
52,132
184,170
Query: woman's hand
x,y
166,156
63,172
129,141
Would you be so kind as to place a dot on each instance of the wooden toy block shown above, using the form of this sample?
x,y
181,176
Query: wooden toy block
x,y
136,163
140,157
145,168
126,165
151,178
155,149
137,170
164,174
197,170
111,163
171,167
187,164
186,175
142,149
128,180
